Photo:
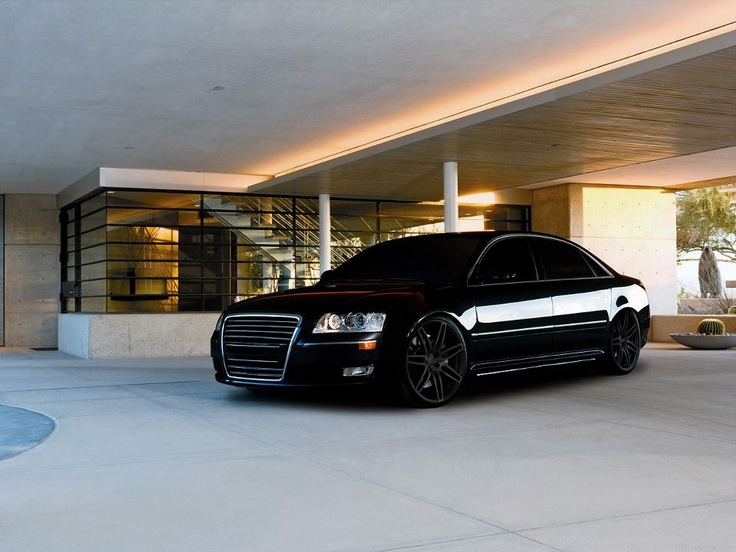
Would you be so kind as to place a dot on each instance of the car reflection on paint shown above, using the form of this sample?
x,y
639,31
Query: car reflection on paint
x,y
419,316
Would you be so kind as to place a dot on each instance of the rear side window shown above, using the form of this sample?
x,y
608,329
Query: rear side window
x,y
508,260
562,260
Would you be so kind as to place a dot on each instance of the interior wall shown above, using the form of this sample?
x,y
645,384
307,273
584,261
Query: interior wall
x,y
632,229
32,270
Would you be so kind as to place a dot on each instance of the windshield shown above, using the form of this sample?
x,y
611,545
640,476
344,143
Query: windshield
x,y
433,258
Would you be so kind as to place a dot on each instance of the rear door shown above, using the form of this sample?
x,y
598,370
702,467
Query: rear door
x,y
581,294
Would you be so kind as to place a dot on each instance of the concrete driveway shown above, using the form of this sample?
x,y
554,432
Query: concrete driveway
x,y
157,456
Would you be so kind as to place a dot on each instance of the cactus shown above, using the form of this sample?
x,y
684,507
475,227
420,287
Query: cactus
x,y
711,326
709,275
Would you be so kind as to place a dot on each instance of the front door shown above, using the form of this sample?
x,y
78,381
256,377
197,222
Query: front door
x,y
513,306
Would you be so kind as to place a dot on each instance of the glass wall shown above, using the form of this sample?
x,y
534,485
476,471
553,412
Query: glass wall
x,y
156,251
508,217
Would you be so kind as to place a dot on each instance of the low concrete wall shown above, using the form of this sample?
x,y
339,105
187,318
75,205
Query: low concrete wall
x,y
93,336
664,325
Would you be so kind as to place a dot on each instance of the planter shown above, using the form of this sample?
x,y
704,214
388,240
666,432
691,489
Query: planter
x,y
664,325
704,341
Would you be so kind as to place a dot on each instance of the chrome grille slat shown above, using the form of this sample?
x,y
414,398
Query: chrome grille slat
x,y
267,331
256,347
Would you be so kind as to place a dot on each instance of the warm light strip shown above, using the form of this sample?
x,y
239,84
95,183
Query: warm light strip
x,y
176,180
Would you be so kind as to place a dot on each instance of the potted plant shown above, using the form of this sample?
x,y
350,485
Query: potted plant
x,y
711,334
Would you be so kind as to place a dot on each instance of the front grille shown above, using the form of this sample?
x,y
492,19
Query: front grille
x,y
256,346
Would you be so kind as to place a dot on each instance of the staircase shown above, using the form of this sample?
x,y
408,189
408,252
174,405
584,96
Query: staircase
x,y
274,244
273,247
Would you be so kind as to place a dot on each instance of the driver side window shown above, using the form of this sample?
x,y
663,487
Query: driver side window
x,y
508,260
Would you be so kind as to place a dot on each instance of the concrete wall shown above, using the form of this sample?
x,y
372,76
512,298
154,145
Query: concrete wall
x,y
93,336
32,271
632,229
552,209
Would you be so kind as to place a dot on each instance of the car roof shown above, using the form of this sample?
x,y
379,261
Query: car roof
x,y
486,235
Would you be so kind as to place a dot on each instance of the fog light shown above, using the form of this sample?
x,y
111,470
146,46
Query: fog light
x,y
357,371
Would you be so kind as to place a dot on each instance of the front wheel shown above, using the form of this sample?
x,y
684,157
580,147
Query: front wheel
x,y
624,344
435,365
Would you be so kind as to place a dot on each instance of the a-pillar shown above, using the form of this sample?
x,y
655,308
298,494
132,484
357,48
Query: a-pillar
x,y
450,189
325,233
630,228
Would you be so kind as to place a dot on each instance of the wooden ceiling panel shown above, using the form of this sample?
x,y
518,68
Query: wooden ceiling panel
x,y
679,110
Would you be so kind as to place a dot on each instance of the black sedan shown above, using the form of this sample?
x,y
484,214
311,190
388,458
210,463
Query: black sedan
x,y
420,315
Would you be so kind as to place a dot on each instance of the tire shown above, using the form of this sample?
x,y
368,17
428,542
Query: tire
x,y
435,363
624,344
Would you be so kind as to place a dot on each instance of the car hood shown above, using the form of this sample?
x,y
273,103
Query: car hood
x,y
339,296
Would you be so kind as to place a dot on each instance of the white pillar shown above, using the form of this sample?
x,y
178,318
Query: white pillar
x,y
451,191
325,234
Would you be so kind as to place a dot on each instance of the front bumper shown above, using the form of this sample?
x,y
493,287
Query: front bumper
x,y
312,364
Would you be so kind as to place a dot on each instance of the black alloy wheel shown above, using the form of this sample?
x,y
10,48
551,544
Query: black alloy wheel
x,y
624,344
436,363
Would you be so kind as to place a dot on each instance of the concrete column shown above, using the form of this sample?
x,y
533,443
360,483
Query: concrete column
x,y
632,229
451,194
32,271
325,233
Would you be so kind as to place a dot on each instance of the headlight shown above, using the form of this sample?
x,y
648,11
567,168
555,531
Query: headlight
x,y
350,323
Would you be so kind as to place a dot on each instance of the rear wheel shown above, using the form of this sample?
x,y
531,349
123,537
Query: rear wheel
x,y
624,344
435,365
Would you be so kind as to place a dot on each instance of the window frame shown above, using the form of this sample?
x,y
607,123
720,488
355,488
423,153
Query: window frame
x,y
356,224
475,281
593,264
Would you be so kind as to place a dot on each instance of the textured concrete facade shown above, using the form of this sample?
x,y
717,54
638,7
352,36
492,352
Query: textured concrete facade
x,y
32,271
155,335
632,229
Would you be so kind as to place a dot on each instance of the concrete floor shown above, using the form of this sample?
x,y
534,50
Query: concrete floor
x,y
157,456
